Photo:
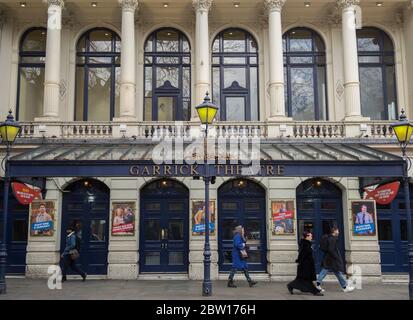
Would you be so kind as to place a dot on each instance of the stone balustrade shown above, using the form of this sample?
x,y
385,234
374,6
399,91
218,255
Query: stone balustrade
x,y
302,130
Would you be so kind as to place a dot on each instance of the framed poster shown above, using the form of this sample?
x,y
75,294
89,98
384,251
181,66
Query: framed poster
x,y
42,217
123,218
198,217
282,217
364,217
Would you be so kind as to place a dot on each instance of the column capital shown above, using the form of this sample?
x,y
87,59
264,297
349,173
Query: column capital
x,y
274,5
202,4
59,3
129,4
342,4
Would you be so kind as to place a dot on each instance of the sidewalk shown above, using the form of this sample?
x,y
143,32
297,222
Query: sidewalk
x,y
28,289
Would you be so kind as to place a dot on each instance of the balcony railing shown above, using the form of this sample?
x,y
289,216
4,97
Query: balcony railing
x,y
187,130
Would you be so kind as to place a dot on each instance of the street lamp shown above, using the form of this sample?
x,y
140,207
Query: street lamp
x,y
403,131
207,112
9,130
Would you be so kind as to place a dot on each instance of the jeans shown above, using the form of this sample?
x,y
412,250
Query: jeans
x,y
69,263
339,275
234,271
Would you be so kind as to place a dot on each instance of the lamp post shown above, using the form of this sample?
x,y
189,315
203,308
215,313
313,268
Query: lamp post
x,y
403,131
207,112
9,130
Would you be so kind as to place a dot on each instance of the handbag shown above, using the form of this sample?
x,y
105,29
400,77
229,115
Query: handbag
x,y
74,254
243,253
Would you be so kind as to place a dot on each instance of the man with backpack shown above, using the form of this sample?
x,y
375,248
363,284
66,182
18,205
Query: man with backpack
x,y
332,261
71,254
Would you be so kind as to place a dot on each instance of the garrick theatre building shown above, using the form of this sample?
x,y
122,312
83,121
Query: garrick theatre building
x,y
97,85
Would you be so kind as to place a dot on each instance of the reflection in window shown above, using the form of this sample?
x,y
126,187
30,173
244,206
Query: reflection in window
x,y
235,75
97,230
97,76
167,76
305,75
384,230
32,56
377,74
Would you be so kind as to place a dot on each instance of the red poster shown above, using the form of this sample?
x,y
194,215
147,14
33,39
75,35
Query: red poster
x,y
25,194
384,194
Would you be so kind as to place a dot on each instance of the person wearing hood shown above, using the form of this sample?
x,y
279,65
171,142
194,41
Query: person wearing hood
x,y
239,257
306,274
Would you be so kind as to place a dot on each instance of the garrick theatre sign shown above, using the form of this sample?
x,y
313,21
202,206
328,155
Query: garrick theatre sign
x,y
194,170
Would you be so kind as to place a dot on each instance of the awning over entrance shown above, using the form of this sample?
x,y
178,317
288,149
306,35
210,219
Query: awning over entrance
x,y
276,159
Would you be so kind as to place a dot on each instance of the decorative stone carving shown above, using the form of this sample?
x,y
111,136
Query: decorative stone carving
x,y
274,4
68,19
339,90
129,4
62,89
347,3
202,4
59,3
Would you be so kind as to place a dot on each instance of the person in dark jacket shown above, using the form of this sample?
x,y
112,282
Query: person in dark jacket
x,y
68,262
333,262
239,263
306,269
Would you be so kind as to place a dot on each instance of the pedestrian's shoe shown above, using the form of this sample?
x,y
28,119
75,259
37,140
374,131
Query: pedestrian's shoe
x,y
231,284
84,277
64,278
318,286
318,294
290,289
252,283
348,289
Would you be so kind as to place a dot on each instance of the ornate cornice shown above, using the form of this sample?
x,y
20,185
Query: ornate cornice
x,y
202,4
59,3
271,5
347,3
129,4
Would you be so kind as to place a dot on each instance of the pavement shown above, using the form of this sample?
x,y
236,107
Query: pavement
x,y
37,289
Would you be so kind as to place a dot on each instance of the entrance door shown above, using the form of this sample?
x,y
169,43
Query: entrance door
x,y
319,208
242,202
164,227
17,230
86,207
392,233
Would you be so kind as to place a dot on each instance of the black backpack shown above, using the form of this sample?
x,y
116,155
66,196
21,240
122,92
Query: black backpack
x,y
78,241
324,243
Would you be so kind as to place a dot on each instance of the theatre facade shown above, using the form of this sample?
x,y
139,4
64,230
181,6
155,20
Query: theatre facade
x,y
106,92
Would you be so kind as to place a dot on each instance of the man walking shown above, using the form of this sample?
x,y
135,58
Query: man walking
x,y
332,261
71,254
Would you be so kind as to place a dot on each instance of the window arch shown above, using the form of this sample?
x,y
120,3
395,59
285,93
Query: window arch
x,y
377,74
97,75
167,76
30,83
235,75
305,75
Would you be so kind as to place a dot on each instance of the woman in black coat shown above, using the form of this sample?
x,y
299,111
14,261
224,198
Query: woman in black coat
x,y
306,269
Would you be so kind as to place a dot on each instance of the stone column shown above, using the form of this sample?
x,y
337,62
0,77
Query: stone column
x,y
52,68
408,31
202,53
350,58
128,58
276,86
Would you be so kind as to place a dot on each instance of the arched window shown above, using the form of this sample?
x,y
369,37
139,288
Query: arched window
x,y
235,75
97,75
377,74
305,75
30,85
167,76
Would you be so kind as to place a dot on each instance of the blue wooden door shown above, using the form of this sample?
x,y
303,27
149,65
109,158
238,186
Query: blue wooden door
x,y
164,227
319,208
392,233
242,202
86,207
17,231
